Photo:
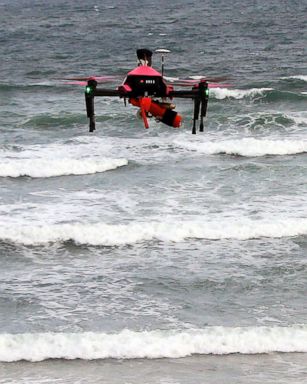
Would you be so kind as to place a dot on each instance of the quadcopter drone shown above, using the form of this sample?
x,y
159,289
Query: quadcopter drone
x,y
151,92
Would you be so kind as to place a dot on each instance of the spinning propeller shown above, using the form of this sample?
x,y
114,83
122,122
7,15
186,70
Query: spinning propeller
x,y
214,82
84,80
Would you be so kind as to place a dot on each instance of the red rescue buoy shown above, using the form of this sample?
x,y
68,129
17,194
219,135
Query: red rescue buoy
x,y
159,111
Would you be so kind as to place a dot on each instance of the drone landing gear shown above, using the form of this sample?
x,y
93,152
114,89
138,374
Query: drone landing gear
x,y
89,102
90,112
200,105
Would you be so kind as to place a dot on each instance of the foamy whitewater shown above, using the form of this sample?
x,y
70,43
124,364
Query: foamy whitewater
x,y
132,255
247,147
152,345
55,160
112,235
45,168
222,93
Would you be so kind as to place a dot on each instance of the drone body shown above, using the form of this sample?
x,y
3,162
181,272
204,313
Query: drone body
x,y
152,93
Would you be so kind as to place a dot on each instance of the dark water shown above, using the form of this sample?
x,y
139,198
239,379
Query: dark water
x,y
182,257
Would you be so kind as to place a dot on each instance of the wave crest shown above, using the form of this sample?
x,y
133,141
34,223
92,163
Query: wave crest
x,y
248,147
50,168
100,234
223,93
153,344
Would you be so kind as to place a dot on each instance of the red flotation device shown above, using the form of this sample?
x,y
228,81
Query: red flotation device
x,y
159,110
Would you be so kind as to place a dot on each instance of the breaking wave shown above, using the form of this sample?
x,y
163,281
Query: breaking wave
x,y
269,94
248,147
100,234
298,77
76,157
223,93
51,168
152,344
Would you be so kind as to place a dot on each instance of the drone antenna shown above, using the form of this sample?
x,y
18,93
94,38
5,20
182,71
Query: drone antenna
x,y
162,52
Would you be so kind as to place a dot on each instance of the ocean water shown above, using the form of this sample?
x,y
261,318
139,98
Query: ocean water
x,y
153,256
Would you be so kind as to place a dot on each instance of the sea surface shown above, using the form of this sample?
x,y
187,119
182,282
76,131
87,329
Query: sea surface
x,y
153,256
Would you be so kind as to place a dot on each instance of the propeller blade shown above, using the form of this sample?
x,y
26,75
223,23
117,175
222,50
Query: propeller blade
x,y
216,79
194,80
219,85
82,83
99,79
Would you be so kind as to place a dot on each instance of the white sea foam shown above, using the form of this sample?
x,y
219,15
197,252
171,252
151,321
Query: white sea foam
x,y
299,118
299,77
48,168
122,234
91,152
78,157
223,93
246,147
152,344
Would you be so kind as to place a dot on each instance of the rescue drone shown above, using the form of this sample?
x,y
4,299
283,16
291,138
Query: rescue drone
x,y
151,92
